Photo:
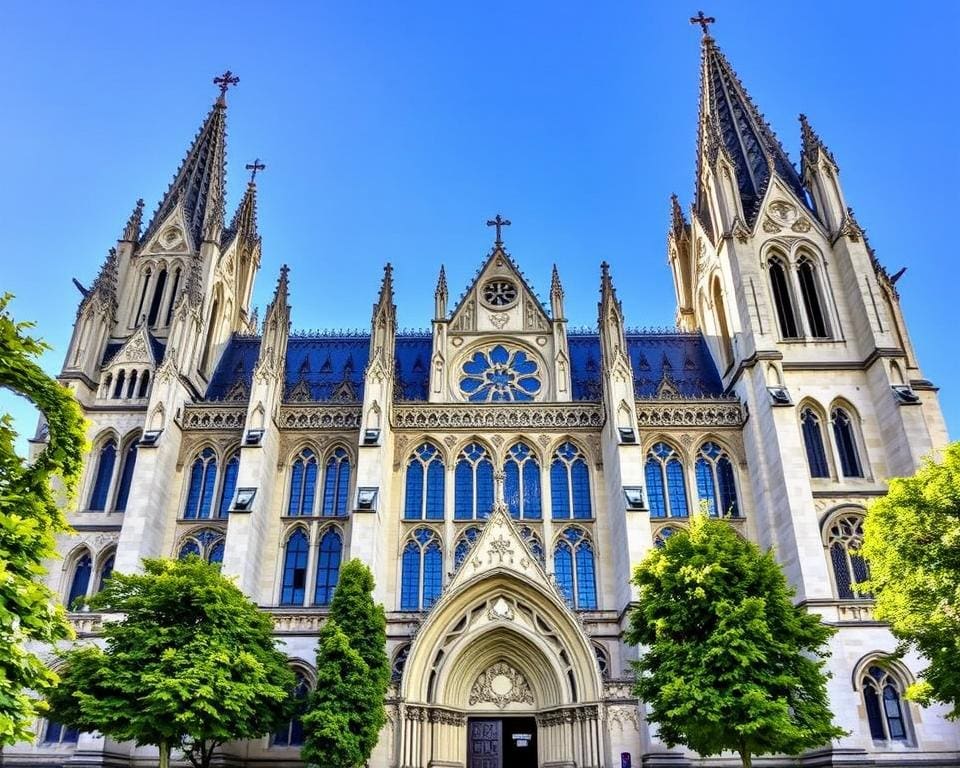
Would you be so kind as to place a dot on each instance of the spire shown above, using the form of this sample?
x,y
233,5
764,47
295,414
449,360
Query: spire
x,y
199,182
131,232
276,328
440,296
613,342
104,287
678,222
383,328
730,121
244,222
811,146
386,286
556,295
281,293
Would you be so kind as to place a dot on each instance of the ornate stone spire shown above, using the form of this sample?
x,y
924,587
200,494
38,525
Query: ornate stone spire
x,y
556,295
730,122
812,146
244,222
131,232
104,287
678,222
440,296
200,181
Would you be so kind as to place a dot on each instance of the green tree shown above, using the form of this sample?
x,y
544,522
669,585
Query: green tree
x,y
729,662
29,519
912,542
192,664
346,711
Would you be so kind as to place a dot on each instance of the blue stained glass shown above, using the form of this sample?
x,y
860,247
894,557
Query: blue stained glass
x,y
531,490
586,578
463,491
871,698
209,481
126,477
841,571
291,734
728,488
58,733
293,587
511,487
499,375
190,547
309,486
413,497
230,473
106,571
678,489
499,354
296,488
328,567
435,490
813,443
80,582
216,552
655,489
336,484
484,488
432,574
101,485
846,444
581,490
706,491
410,578
559,490
202,477
343,486
891,708
563,570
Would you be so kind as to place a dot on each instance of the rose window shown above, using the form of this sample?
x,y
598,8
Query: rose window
x,y
499,375
499,293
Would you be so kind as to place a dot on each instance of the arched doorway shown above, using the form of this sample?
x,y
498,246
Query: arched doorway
x,y
500,669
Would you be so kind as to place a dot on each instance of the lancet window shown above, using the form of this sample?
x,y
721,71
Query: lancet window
x,y
532,540
126,476
329,554
464,544
570,484
813,443
812,298
574,569
303,484
291,733
844,436
844,540
336,484
473,484
883,700
203,479
422,571
715,483
783,299
228,486
80,580
423,497
293,585
666,486
522,482
207,543
106,459
106,571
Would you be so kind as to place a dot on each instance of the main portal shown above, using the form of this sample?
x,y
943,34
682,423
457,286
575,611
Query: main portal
x,y
507,742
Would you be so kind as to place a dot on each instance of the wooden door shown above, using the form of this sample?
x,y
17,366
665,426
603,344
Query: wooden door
x,y
484,746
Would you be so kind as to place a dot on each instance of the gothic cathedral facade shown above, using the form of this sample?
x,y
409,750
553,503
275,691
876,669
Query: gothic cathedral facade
x,y
501,473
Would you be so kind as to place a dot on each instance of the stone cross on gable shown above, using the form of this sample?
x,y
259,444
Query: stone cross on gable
x,y
498,222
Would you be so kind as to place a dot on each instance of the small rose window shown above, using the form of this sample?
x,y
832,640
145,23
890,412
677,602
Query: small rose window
x,y
498,375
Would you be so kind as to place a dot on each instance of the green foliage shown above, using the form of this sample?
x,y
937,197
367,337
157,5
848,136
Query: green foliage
x,y
912,542
730,663
346,711
29,520
191,665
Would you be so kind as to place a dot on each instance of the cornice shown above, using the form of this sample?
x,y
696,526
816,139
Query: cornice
x,y
457,416
686,413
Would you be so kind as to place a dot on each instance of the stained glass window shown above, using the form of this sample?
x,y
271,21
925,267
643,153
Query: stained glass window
x,y
229,484
80,582
846,441
291,734
203,478
303,484
522,482
810,291
886,715
498,375
473,484
421,577
56,733
715,483
533,543
782,300
570,484
205,543
844,539
464,545
328,566
666,486
101,484
574,569
424,492
813,443
126,477
336,484
106,571
294,585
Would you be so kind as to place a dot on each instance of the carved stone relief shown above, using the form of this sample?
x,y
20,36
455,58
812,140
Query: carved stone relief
x,y
501,685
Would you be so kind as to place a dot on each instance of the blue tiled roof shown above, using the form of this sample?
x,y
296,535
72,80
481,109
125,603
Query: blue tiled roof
x,y
236,365
413,367
677,360
326,368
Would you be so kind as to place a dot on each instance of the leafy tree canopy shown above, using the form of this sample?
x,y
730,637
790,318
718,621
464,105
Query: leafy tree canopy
x,y
192,664
912,542
29,519
728,661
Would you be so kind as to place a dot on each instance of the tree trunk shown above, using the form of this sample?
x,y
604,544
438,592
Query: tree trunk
x,y
164,748
746,759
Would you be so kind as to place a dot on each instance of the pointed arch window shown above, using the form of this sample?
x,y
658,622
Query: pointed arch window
x,y
574,569
464,544
570,484
207,543
57,733
329,555
291,734
294,583
118,386
522,482
532,540
102,480
139,316
850,569
846,440
106,571
203,478
666,486
173,296
715,482
726,342
144,384
208,344
813,443
423,497
473,484
80,582
303,484
157,298
883,700
661,536
336,484
228,486
422,571
132,384
812,298
782,299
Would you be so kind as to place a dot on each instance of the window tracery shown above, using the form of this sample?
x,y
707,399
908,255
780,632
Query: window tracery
x,y
336,484
715,481
499,375
203,479
422,571
883,699
206,543
844,540
425,481
666,485
464,544
574,569
473,483
522,482
303,484
570,484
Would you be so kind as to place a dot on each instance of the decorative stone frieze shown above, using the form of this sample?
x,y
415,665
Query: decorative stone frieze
x,y
297,622
85,624
319,417
697,413
501,685
499,416
215,416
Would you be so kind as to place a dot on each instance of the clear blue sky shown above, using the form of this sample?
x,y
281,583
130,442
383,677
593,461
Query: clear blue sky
x,y
392,131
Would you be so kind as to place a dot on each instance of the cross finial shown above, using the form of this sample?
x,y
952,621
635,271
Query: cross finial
x,y
225,81
704,22
498,222
253,167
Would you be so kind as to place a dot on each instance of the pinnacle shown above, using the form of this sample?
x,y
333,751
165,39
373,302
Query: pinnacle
x,y
556,289
131,232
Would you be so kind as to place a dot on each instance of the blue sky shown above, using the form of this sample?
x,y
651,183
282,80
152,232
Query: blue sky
x,y
392,131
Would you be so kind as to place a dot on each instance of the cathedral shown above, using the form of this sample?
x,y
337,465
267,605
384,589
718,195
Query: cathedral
x,y
502,473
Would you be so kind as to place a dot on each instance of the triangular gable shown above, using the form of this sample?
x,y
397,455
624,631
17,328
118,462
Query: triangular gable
x,y
171,236
137,349
783,212
474,313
